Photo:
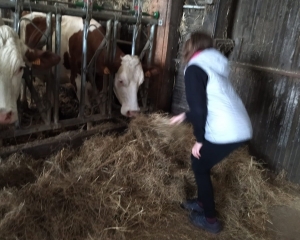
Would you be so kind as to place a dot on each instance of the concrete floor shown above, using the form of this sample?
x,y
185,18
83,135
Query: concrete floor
x,y
286,221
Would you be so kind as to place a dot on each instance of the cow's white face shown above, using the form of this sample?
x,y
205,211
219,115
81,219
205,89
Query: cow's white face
x,y
11,70
13,55
127,81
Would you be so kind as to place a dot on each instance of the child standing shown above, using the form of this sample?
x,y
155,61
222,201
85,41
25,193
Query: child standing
x,y
220,121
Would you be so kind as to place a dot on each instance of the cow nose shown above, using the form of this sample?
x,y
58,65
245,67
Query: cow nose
x,y
132,113
6,117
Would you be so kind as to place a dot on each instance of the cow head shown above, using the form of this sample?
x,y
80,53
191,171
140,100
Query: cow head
x,y
127,81
14,54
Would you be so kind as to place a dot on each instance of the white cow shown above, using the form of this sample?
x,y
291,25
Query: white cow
x,y
14,54
130,73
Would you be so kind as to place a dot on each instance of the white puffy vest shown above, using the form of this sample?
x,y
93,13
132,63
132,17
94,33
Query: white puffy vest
x,y
227,119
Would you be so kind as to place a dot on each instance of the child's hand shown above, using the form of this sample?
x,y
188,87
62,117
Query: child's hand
x,y
178,119
196,150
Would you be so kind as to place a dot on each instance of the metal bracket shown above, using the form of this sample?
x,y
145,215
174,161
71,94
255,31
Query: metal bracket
x,y
209,1
160,22
203,2
199,2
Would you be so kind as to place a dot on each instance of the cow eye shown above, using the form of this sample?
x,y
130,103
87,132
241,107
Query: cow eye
x,y
20,70
121,82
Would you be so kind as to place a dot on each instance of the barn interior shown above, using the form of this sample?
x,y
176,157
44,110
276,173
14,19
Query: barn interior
x,y
69,171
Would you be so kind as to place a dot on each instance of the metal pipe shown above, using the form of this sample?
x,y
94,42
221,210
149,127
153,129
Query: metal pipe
x,y
106,78
86,23
137,8
8,20
49,26
113,48
203,2
103,15
16,26
146,47
17,5
151,40
124,42
115,36
108,37
84,69
138,38
265,69
193,7
133,40
57,67
49,79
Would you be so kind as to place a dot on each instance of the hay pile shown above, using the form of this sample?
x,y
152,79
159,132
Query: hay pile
x,y
117,187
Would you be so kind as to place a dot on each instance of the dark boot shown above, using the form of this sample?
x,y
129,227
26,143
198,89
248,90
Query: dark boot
x,y
200,221
192,205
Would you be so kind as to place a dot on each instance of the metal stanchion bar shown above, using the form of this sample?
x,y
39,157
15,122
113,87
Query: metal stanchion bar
x,y
86,23
137,8
134,40
151,40
115,41
101,15
106,78
17,6
57,67
49,88
112,57
17,11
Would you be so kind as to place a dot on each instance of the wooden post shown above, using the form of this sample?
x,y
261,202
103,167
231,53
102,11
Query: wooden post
x,y
166,44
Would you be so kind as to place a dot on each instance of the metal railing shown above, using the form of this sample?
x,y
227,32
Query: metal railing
x,y
51,119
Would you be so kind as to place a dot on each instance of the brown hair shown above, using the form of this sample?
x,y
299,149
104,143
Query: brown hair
x,y
198,41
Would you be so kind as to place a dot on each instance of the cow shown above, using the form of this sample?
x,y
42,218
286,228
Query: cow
x,y
129,75
14,54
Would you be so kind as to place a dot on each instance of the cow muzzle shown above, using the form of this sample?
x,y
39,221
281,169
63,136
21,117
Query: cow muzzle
x,y
132,113
7,116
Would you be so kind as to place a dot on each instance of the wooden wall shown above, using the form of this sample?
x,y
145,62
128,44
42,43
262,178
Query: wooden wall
x,y
266,73
265,70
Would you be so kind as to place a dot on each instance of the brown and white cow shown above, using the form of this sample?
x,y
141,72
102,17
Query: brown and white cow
x,y
14,54
130,73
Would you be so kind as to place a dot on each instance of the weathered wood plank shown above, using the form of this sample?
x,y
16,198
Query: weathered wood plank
x,y
265,73
164,54
46,147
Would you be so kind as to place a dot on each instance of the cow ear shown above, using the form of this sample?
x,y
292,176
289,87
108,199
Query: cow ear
x,y
39,59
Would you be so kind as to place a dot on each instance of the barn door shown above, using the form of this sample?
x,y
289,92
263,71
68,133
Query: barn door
x,y
209,16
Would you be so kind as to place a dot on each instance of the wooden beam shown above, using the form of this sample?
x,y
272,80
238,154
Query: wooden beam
x,y
44,148
166,48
